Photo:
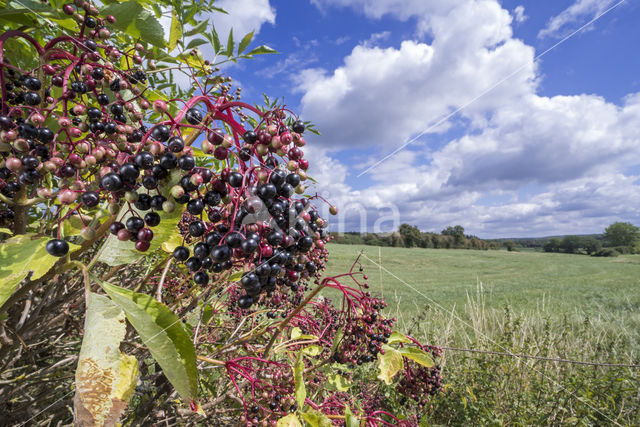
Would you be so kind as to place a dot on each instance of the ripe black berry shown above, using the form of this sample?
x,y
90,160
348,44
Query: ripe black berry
x,y
111,182
129,172
57,247
197,228
90,199
195,206
152,219
201,278
235,179
186,163
144,160
193,264
181,253
193,116
221,253
298,126
245,301
161,133
168,161
134,224
176,144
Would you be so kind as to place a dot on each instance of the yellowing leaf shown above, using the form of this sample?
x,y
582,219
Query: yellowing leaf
x,y
164,334
338,382
312,350
418,356
350,420
398,337
298,374
21,254
105,378
175,34
289,421
314,418
389,364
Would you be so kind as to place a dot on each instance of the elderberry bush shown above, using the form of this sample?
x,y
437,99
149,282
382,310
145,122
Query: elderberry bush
x,y
191,216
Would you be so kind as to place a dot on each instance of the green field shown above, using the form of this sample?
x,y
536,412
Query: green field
x,y
544,304
526,281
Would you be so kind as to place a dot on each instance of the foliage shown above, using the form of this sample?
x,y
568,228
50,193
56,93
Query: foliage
x,y
621,234
184,211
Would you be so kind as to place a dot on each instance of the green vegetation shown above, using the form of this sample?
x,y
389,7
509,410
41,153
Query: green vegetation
x,y
534,303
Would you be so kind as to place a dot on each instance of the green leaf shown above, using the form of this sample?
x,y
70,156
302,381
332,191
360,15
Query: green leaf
x,y
418,356
164,334
289,421
21,254
150,29
195,43
398,337
298,375
261,50
175,34
200,28
245,42
312,350
105,377
338,382
215,40
389,364
314,418
5,231
125,13
350,419
235,277
231,45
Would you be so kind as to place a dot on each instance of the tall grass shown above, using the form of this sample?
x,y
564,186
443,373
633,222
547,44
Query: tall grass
x,y
547,305
498,389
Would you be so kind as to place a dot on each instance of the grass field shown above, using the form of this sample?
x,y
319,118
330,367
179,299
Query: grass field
x,y
545,304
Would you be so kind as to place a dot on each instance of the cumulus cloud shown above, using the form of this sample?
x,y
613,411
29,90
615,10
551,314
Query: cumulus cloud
x,y
518,14
573,149
581,10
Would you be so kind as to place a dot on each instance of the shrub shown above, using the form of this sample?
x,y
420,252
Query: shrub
x,y
606,252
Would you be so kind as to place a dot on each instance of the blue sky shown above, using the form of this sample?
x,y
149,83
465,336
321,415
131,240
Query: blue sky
x,y
552,150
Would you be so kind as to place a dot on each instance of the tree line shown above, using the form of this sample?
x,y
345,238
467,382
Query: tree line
x,y
618,238
409,236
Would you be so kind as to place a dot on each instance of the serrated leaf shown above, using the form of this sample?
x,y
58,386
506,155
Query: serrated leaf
x,y
389,364
105,377
200,28
418,356
289,421
195,43
350,420
175,33
125,13
150,29
298,375
314,418
231,45
244,43
215,40
261,50
164,334
235,277
397,337
21,254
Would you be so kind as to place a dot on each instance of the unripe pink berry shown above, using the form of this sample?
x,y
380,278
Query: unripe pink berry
x,y
13,164
67,196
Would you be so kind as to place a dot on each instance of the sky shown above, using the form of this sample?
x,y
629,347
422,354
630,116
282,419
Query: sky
x,y
496,115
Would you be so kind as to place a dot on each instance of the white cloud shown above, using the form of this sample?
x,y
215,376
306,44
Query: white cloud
x,y
581,10
518,14
573,149
244,16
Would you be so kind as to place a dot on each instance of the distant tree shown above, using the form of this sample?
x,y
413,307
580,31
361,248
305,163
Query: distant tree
x,y
571,244
591,245
553,245
397,240
510,245
621,234
410,234
457,232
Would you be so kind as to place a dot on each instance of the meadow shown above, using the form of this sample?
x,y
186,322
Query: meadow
x,y
521,303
